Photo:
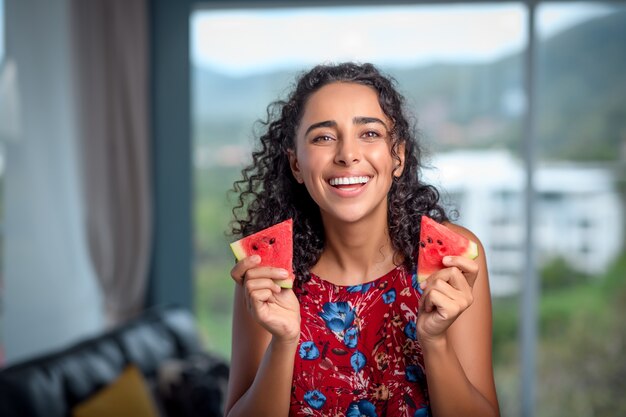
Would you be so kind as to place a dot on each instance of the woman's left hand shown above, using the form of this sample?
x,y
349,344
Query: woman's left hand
x,y
447,294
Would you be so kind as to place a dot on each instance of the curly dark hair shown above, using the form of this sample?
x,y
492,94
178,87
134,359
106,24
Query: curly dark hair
x,y
268,193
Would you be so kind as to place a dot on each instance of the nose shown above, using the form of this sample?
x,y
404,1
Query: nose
x,y
348,152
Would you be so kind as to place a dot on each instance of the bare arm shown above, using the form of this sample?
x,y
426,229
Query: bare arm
x,y
458,360
262,360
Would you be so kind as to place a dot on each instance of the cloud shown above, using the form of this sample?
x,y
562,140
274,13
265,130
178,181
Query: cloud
x,y
243,41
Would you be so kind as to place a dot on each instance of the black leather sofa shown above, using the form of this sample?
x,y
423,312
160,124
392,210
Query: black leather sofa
x,y
53,384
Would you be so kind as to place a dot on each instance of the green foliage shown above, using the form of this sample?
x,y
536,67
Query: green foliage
x,y
557,273
582,337
505,327
582,365
214,259
213,305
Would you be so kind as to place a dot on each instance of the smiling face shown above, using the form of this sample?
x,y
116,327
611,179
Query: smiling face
x,y
343,153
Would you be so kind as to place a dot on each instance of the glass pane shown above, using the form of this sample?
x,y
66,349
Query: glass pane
x,y
1,30
581,190
1,199
462,76
2,205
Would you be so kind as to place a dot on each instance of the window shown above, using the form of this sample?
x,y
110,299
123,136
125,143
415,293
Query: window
x,y
581,152
462,75
2,152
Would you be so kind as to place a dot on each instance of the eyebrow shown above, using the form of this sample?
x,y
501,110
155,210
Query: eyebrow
x,y
366,120
326,123
359,120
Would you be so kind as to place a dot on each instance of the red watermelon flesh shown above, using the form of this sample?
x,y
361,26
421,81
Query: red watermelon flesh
x,y
274,245
437,241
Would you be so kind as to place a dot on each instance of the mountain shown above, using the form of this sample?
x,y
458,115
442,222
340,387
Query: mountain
x,y
581,96
582,91
236,95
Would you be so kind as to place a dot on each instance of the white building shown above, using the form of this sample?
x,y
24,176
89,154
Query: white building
x,y
578,213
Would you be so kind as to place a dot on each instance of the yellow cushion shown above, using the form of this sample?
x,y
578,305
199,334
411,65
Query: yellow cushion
x,y
127,396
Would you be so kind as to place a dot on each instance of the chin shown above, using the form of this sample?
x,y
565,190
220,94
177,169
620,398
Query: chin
x,y
351,215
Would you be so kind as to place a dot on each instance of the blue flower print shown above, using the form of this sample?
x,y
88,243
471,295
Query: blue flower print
x,y
308,351
410,330
315,399
422,412
357,360
415,283
338,316
390,296
361,408
351,337
362,288
414,373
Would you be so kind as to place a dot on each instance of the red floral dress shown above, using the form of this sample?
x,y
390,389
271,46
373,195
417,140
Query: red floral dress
x,y
358,354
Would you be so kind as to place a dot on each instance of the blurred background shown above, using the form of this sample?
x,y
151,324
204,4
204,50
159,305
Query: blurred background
x,y
521,107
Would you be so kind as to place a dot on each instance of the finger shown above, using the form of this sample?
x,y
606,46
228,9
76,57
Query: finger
x,y
442,275
446,305
426,300
469,267
260,296
239,270
434,300
443,284
446,308
261,283
457,280
460,299
266,272
259,301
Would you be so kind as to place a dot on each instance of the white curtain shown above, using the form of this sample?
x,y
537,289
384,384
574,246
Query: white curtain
x,y
111,62
50,292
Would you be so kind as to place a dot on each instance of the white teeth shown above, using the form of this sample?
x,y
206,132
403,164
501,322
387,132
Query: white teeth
x,y
349,180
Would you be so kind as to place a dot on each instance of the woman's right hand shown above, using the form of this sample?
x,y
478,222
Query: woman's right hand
x,y
276,309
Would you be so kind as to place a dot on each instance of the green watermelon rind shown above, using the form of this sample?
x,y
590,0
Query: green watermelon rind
x,y
471,253
240,253
238,250
285,283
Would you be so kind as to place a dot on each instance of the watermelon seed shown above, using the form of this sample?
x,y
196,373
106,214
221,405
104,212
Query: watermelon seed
x,y
422,244
440,242
255,247
429,240
272,241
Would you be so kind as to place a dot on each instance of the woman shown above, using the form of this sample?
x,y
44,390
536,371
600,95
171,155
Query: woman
x,y
356,336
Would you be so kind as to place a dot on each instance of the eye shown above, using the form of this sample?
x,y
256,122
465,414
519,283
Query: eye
x,y
322,139
371,134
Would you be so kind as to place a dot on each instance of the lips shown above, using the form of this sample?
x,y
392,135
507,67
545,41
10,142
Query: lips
x,y
349,186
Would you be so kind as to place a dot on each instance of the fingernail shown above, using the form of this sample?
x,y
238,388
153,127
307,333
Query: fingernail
x,y
446,259
423,284
283,273
255,258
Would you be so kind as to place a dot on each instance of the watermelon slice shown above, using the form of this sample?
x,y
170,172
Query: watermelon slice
x,y
437,241
274,245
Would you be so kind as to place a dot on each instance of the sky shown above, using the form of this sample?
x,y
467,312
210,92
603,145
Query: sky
x,y
240,42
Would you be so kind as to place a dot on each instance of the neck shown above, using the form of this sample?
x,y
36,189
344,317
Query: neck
x,y
355,252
